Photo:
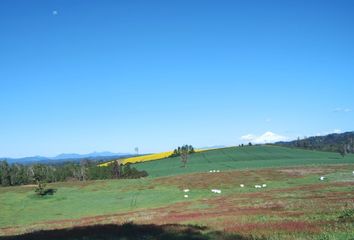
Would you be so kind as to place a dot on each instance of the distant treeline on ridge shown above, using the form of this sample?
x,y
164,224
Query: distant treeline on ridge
x,y
20,174
342,143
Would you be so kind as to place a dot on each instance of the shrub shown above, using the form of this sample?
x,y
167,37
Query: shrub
x,y
131,172
41,190
347,215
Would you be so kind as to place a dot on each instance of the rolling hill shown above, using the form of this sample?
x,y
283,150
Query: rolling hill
x,y
242,158
294,203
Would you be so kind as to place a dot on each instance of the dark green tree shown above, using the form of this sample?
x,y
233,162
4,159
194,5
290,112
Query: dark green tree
x,y
298,143
191,149
5,174
116,170
178,151
39,173
184,155
19,175
342,150
83,170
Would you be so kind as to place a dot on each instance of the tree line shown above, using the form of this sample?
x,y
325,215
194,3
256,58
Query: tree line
x,y
20,174
342,143
182,150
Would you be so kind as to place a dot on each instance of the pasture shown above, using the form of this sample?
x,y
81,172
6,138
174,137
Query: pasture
x,y
295,204
254,157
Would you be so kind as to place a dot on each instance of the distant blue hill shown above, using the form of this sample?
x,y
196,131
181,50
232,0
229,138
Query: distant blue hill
x,y
89,155
66,157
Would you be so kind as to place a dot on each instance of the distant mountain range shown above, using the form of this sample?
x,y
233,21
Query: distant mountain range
x,y
89,155
336,142
66,157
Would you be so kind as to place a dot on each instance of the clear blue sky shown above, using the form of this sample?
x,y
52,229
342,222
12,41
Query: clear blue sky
x,y
83,76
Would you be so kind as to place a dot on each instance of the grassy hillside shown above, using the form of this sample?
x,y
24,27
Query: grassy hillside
x,y
295,204
242,158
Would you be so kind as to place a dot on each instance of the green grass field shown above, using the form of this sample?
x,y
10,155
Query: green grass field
x,y
242,158
294,205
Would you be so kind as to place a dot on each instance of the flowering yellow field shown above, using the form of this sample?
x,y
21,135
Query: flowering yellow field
x,y
145,158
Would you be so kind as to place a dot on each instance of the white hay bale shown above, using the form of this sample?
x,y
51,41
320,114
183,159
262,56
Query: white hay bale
x,y
186,190
264,185
216,191
242,185
257,186
186,196
322,178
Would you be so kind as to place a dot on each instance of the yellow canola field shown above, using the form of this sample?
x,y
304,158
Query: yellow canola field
x,y
144,158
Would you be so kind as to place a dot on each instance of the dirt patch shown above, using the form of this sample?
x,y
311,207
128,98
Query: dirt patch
x,y
234,178
302,171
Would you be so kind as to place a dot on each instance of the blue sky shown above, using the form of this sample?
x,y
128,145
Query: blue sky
x,y
83,76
